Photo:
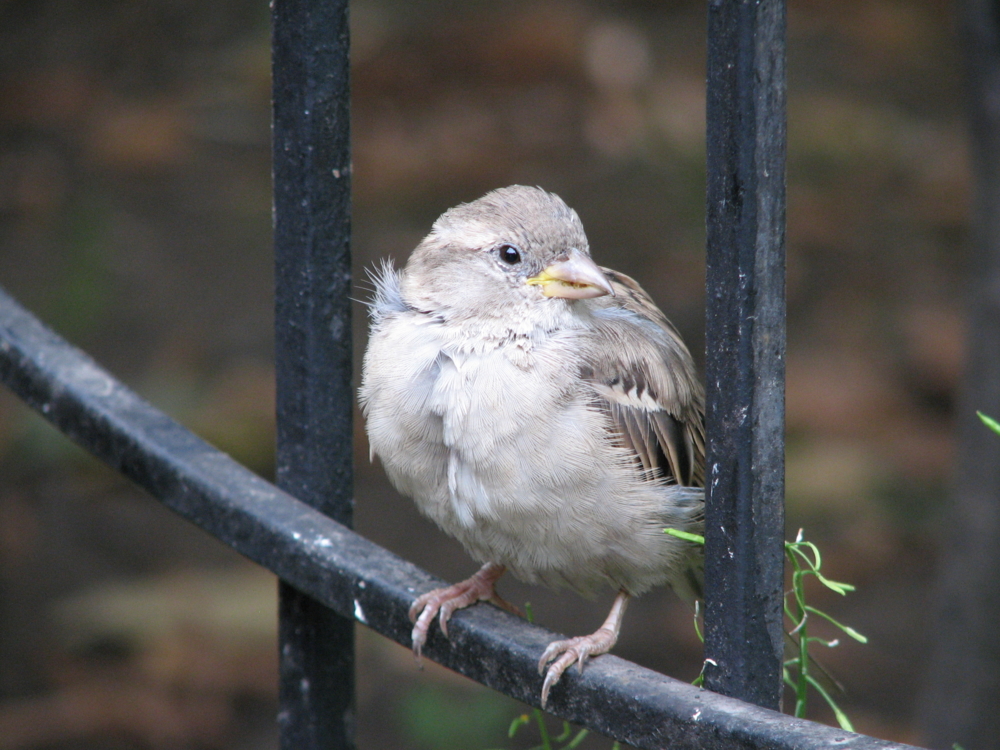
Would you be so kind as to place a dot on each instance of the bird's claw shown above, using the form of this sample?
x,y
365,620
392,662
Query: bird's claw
x,y
442,603
571,650
422,613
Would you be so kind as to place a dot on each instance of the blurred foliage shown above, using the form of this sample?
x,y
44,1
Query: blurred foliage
x,y
450,720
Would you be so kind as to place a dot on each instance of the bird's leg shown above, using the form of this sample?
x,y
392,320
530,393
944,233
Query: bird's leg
x,y
478,588
580,648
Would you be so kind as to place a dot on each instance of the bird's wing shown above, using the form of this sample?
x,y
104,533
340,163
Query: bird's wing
x,y
645,379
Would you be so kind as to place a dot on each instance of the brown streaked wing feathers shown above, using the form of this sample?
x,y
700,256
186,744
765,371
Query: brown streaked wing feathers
x,y
668,442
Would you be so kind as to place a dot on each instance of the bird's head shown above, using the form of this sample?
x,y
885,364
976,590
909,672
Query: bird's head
x,y
515,247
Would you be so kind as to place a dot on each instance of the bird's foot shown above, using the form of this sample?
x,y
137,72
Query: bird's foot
x,y
581,648
444,602
571,650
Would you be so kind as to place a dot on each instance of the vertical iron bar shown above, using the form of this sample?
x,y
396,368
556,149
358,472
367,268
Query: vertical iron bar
x,y
311,167
962,681
745,340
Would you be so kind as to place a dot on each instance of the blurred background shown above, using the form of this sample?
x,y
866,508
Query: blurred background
x,y
135,220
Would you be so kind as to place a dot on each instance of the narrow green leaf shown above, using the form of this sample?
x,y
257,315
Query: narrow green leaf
x,y
519,721
818,559
685,535
847,629
990,422
567,731
842,719
796,552
798,548
829,644
840,588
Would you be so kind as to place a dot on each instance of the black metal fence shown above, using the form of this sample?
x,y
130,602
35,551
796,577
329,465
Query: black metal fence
x,y
331,577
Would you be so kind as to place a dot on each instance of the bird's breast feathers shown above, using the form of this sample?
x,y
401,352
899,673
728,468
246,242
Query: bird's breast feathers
x,y
466,418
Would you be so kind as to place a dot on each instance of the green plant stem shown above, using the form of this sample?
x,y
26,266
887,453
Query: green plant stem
x,y
806,561
542,729
801,628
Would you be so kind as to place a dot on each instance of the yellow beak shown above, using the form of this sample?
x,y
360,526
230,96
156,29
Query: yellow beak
x,y
576,277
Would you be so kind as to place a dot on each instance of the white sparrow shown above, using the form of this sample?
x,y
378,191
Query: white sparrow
x,y
538,408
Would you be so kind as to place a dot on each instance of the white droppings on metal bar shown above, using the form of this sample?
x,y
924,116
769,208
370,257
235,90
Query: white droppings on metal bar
x,y
359,614
93,378
697,715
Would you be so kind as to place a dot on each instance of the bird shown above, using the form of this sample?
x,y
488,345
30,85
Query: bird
x,y
540,409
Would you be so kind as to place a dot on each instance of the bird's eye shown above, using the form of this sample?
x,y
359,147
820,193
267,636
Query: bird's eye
x,y
509,254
